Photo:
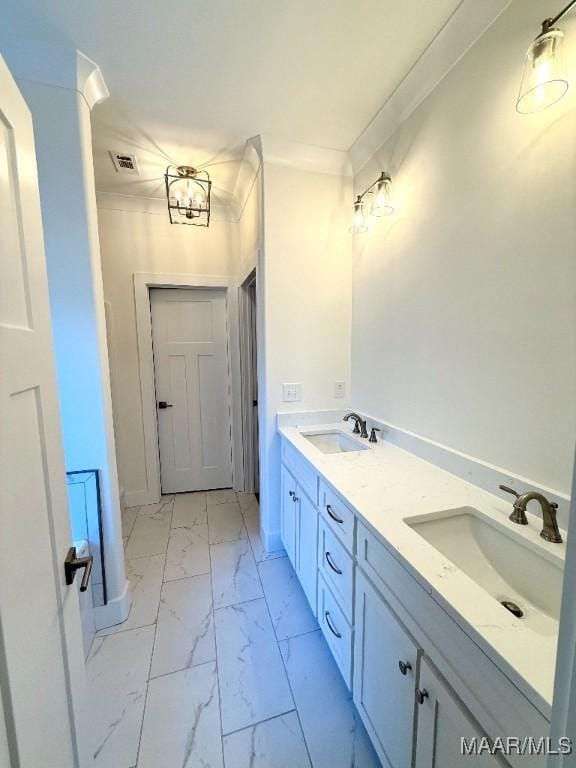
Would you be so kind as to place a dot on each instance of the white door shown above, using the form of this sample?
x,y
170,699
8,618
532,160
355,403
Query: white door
x,y
192,388
42,674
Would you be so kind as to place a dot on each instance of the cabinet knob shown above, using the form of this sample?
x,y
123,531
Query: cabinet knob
x,y
404,666
421,694
291,493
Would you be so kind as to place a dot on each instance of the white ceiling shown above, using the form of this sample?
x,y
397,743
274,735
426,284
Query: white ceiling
x,y
191,80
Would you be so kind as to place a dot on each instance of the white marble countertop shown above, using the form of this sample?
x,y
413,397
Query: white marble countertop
x,y
385,485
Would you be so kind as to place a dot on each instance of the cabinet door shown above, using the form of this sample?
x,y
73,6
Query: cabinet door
x,y
386,663
307,540
288,514
442,722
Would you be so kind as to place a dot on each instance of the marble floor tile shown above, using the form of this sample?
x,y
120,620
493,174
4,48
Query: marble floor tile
x,y
253,683
117,670
185,631
276,743
182,721
221,496
145,577
332,728
252,523
188,553
150,532
289,608
225,523
129,515
189,509
234,575
248,503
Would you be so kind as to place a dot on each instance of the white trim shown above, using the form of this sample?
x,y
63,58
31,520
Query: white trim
x,y
468,22
142,284
56,66
305,157
245,320
115,611
156,206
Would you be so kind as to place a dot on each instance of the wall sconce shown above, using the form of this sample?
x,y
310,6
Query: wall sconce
x,y
188,193
544,80
381,204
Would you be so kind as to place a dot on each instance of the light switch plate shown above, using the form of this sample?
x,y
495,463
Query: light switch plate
x,y
339,389
291,393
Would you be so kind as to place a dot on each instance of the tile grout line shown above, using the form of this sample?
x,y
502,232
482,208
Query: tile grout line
x,y
282,659
254,725
215,643
153,644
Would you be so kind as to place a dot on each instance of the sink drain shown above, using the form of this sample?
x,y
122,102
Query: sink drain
x,y
513,608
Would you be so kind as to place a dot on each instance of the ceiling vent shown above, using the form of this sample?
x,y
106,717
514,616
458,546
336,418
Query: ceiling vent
x,y
125,163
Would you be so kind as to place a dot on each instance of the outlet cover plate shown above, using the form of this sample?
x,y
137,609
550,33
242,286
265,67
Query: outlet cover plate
x,y
339,389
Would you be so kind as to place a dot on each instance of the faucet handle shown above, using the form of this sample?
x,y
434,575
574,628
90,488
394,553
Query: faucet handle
x,y
509,490
373,438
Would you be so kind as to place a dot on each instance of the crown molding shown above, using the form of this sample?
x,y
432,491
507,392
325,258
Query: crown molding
x,y
466,25
304,157
55,66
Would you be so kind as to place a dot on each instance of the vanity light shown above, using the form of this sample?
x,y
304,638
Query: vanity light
x,y
544,80
381,204
359,226
188,193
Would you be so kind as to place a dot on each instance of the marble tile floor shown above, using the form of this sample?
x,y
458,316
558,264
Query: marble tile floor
x,y
221,663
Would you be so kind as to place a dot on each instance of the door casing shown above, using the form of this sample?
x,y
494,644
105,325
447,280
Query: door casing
x,y
143,282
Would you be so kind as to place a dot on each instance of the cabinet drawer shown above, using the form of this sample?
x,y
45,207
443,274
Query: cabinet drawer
x,y
336,630
338,515
305,475
337,567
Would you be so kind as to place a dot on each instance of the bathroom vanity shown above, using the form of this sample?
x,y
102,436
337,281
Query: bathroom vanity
x,y
406,568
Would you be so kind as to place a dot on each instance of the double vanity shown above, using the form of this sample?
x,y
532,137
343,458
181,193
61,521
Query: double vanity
x,y
441,614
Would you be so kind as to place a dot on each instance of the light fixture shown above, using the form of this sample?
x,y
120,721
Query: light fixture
x,y
544,80
359,226
188,193
381,204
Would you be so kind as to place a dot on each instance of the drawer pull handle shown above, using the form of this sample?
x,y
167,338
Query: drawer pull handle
x,y
331,626
404,666
421,694
333,515
332,564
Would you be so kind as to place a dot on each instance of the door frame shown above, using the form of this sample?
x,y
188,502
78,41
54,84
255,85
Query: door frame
x,y
245,320
143,282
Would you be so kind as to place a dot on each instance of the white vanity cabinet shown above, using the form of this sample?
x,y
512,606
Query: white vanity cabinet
x,y
299,532
386,674
443,721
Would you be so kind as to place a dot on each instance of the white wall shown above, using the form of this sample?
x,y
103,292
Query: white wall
x,y
306,308
464,321
137,241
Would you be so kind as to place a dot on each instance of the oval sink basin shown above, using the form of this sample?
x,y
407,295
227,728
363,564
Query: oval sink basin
x,y
524,577
334,441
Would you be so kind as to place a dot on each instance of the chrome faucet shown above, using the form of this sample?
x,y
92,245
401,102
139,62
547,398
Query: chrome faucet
x,y
359,424
549,530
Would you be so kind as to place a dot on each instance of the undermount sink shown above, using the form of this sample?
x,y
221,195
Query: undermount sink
x,y
520,574
334,441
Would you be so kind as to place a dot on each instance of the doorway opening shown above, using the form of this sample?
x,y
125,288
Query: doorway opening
x,y
249,374
192,385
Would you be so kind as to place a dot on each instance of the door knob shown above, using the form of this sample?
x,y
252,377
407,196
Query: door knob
x,y
73,564
163,404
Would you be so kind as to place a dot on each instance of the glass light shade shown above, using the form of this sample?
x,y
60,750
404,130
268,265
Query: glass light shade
x,y
359,224
544,80
382,205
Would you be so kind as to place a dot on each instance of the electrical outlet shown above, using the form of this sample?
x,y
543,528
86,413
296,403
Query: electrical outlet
x,y
291,393
339,389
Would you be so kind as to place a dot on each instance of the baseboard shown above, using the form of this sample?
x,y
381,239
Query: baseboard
x,y
273,542
115,611
139,498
